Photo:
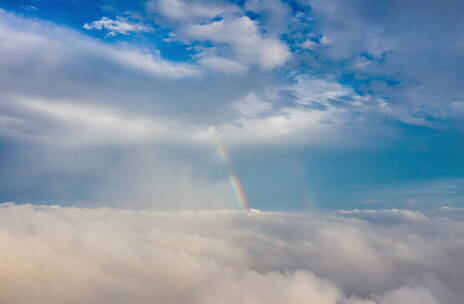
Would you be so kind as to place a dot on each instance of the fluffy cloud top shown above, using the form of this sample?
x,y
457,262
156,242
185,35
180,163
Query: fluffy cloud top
x,y
56,255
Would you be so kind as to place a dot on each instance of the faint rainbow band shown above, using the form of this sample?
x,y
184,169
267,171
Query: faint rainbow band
x,y
233,178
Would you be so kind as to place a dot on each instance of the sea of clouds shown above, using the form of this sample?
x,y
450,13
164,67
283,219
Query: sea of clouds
x,y
51,254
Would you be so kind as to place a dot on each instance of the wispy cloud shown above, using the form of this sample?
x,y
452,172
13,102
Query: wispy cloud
x,y
120,25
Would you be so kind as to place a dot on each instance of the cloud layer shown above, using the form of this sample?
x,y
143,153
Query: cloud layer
x,y
72,255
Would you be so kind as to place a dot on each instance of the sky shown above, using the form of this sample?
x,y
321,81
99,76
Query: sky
x,y
215,151
318,105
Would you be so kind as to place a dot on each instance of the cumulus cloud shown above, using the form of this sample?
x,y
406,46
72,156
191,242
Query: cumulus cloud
x,y
245,40
225,25
117,26
55,255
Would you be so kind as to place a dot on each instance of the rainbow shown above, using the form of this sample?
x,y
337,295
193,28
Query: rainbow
x,y
233,179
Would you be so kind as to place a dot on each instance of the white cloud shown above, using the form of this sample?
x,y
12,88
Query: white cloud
x,y
240,39
276,14
319,113
137,93
191,10
309,90
31,44
116,26
242,34
77,124
288,126
28,7
315,43
252,105
55,255
221,64
152,63
409,58
309,45
71,123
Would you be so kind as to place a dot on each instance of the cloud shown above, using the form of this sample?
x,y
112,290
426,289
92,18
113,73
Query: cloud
x,y
54,254
373,39
28,7
245,41
180,10
309,111
152,63
252,106
247,80
108,123
83,125
362,40
99,89
120,25
105,122
309,45
275,14
220,64
225,25
29,42
413,193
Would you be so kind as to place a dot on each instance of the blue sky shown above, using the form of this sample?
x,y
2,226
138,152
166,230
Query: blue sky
x,y
321,104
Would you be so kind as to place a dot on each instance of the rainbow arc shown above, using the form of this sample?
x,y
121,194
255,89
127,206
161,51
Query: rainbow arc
x,y
233,178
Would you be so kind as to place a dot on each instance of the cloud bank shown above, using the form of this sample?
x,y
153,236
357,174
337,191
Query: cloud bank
x,y
72,255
